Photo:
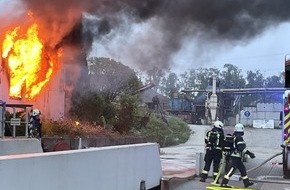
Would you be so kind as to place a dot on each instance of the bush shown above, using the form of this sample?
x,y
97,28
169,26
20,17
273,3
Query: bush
x,y
180,129
92,107
126,114
69,128
173,133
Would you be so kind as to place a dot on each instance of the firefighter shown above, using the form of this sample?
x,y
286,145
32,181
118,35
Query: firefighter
x,y
228,149
35,124
239,150
213,145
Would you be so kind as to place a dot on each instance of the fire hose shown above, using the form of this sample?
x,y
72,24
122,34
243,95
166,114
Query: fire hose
x,y
263,180
263,163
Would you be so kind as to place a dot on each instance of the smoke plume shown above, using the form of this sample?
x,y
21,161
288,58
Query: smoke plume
x,y
150,32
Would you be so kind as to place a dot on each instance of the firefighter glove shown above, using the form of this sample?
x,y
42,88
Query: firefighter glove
x,y
252,155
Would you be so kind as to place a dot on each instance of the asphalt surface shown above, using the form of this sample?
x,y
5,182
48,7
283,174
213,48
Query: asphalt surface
x,y
181,161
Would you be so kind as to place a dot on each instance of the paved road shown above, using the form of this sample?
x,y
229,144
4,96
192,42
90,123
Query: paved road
x,y
263,142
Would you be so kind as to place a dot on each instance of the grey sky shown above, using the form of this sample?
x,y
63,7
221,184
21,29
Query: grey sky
x,y
265,53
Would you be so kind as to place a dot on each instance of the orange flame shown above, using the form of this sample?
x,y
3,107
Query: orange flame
x,y
29,63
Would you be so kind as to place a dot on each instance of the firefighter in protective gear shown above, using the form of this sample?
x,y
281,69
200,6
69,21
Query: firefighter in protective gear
x,y
35,123
213,145
239,150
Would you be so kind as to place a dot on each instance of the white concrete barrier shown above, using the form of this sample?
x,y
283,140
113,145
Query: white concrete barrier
x,y
199,165
19,146
105,168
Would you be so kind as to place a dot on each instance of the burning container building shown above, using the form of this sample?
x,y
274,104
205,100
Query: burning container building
x,y
50,100
32,73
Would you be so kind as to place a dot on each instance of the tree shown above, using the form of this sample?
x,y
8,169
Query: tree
x,y
187,79
170,84
109,85
255,79
111,78
204,76
155,76
232,77
275,81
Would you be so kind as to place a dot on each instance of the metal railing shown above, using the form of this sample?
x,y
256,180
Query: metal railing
x,y
14,121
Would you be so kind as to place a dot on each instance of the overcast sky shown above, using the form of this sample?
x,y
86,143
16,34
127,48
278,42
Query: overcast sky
x,y
265,53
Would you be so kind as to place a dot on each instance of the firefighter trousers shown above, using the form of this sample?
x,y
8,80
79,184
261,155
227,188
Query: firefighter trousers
x,y
237,163
212,156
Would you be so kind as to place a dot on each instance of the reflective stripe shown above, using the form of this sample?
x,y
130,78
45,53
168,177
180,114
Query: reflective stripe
x,y
286,125
217,143
227,176
204,172
236,155
287,115
213,148
245,150
244,177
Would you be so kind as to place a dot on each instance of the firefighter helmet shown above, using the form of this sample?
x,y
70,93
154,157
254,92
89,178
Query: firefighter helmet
x,y
218,124
36,112
239,127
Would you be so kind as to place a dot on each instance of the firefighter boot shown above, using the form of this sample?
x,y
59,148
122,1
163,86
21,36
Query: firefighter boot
x,y
225,183
203,177
247,183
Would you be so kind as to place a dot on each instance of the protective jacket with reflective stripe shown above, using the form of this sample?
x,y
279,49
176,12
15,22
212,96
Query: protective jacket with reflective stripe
x,y
240,147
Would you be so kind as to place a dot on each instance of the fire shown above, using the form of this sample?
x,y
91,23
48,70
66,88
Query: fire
x,y
29,63
77,123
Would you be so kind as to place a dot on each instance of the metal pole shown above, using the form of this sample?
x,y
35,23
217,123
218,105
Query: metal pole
x,y
26,122
3,123
14,126
4,120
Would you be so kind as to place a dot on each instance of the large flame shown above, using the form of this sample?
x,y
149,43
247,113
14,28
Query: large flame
x,y
29,63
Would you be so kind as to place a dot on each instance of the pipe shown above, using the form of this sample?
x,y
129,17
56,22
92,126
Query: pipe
x,y
143,88
214,84
242,90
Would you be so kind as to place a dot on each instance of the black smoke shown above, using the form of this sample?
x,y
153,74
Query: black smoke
x,y
210,21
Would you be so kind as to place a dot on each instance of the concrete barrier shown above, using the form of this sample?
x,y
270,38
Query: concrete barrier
x,y
99,141
199,165
122,167
19,146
